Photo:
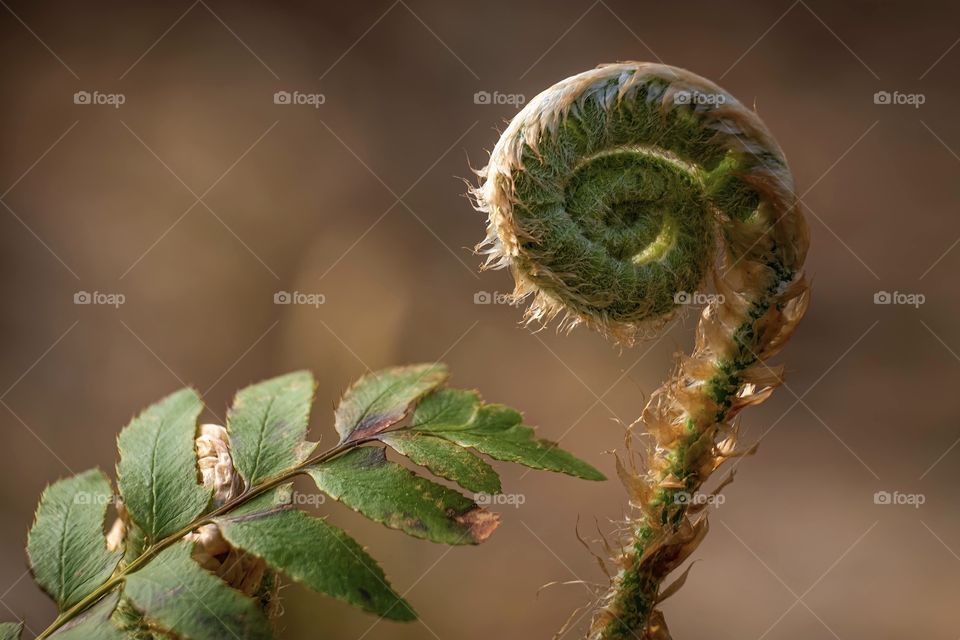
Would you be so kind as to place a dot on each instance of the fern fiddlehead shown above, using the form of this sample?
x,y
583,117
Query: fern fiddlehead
x,y
613,196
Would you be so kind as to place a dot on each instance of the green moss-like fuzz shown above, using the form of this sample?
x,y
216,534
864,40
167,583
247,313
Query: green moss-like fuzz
x,y
616,227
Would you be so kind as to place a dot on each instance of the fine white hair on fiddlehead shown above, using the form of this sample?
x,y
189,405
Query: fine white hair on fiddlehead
x,y
614,197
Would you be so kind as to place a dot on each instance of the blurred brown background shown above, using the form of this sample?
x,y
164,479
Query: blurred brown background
x,y
199,198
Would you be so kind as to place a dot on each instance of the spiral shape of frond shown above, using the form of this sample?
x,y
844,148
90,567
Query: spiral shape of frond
x,y
616,197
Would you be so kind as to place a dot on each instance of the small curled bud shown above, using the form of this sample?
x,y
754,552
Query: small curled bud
x,y
242,571
216,463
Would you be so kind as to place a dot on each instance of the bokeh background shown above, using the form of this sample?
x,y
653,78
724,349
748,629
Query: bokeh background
x,y
199,198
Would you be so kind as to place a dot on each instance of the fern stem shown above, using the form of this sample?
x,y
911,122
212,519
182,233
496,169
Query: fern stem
x,y
153,549
607,197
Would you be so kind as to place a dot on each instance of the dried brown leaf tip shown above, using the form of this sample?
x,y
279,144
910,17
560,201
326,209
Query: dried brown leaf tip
x,y
480,523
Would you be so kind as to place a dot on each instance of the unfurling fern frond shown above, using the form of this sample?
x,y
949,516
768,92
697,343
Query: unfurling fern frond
x,y
614,197
208,525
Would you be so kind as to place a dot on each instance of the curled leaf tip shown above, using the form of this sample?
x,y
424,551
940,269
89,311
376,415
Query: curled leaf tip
x,y
480,523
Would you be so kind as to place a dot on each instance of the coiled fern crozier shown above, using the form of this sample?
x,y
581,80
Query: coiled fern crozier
x,y
612,196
